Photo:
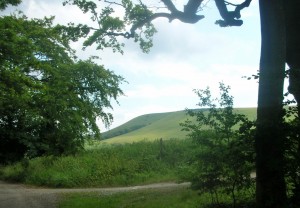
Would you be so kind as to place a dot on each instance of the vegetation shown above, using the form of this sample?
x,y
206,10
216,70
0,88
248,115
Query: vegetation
x,y
292,153
219,165
280,46
224,158
5,3
112,165
50,101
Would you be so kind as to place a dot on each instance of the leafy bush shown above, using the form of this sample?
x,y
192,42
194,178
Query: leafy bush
x,y
224,156
14,173
292,152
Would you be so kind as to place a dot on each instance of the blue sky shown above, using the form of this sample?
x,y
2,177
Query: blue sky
x,y
184,57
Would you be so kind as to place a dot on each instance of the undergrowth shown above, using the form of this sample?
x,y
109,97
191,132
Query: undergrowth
x,y
108,165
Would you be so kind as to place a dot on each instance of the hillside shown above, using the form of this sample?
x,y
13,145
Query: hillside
x,y
156,126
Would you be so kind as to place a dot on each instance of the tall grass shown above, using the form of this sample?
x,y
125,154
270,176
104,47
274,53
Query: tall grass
x,y
107,165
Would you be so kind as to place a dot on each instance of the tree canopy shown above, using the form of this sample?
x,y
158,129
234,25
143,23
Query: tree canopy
x,y
5,3
50,101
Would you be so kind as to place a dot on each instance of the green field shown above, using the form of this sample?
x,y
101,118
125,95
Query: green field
x,y
156,126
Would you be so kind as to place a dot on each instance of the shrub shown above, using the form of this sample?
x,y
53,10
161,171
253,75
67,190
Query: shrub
x,y
224,156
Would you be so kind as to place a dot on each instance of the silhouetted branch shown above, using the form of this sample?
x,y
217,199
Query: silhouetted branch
x,y
112,2
230,18
192,6
171,7
188,16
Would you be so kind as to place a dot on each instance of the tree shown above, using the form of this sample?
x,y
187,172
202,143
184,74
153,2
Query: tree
x,y
5,3
293,47
225,154
50,101
270,136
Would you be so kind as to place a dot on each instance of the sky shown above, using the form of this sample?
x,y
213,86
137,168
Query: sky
x,y
184,57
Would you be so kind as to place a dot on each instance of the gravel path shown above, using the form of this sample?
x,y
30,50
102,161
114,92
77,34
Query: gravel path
x,y
21,196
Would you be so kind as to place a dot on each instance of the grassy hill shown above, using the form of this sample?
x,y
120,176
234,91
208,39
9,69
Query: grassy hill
x,y
156,126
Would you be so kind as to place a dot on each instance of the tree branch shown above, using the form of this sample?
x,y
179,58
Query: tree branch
x,y
230,18
182,16
188,16
112,2
192,6
169,4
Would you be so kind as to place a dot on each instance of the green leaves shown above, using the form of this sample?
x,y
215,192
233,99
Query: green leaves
x,y
84,5
49,100
225,153
114,19
145,38
4,3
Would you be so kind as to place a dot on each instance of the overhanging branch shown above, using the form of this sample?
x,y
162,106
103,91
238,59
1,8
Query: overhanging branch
x,y
169,4
230,18
192,6
188,16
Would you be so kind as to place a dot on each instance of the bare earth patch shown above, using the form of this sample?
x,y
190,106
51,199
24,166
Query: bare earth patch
x,y
21,196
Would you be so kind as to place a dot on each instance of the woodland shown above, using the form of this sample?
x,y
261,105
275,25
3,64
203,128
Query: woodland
x,y
50,99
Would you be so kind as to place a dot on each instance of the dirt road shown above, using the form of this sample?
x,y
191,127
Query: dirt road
x,y
21,196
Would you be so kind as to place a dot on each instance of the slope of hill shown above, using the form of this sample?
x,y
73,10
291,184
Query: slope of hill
x,y
134,124
156,126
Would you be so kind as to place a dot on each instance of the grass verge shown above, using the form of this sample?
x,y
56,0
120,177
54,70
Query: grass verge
x,y
163,198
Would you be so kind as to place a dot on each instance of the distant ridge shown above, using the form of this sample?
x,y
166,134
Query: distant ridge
x,y
134,124
156,126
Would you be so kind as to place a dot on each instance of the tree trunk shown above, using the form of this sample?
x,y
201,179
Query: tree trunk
x,y
293,46
293,60
269,141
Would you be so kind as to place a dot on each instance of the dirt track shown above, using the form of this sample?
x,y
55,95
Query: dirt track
x,y
21,196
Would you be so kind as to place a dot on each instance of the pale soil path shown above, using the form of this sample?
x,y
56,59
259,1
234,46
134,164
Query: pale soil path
x,y
21,196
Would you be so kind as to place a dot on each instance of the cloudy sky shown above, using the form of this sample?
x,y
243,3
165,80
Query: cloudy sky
x,y
184,57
